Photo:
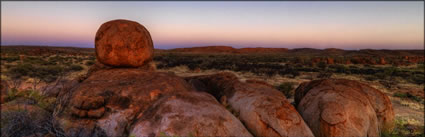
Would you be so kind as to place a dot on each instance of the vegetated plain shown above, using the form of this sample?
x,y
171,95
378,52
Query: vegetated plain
x,y
32,70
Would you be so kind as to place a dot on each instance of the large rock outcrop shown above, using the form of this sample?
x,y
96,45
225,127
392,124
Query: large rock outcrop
x,y
109,101
114,95
338,107
188,114
123,43
264,110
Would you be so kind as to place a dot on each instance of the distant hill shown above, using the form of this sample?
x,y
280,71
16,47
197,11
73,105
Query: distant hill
x,y
207,49
298,51
45,50
228,49
42,50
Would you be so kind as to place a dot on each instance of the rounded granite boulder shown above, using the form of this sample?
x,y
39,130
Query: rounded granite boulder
x,y
123,43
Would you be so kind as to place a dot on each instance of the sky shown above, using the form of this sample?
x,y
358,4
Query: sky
x,y
176,24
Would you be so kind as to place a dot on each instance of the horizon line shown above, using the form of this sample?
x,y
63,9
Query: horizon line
x,y
33,45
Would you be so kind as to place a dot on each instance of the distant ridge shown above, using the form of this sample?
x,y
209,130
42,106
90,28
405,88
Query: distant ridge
x,y
298,51
219,49
228,49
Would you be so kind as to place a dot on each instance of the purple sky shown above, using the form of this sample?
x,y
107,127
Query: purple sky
x,y
286,24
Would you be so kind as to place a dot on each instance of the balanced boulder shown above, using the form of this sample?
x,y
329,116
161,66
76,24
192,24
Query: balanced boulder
x,y
117,99
339,107
123,43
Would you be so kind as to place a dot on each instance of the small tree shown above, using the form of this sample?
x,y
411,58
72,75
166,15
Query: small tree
x,y
322,65
286,88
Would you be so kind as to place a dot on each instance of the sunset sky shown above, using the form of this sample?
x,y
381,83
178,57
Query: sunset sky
x,y
286,24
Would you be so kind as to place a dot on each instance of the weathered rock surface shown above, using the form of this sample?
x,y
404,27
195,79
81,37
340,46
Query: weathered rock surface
x,y
109,102
263,110
188,114
110,99
338,107
123,43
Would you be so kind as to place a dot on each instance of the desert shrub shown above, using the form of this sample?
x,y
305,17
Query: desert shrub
x,y
417,79
370,77
402,128
322,65
420,67
22,122
339,68
60,60
367,65
91,58
46,73
287,89
388,83
35,60
39,100
400,95
8,66
353,67
52,62
78,60
20,70
19,123
10,59
75,67
325,74
390,71
380,75
408,96
11,94
90,62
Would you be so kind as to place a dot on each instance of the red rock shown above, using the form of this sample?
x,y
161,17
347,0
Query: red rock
x,y
338,107
123,43
97,113
315,60
348,62
197,70
188,114
263,109
78,112
154,94
382,61
259,82
127,93
93,102
330,61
